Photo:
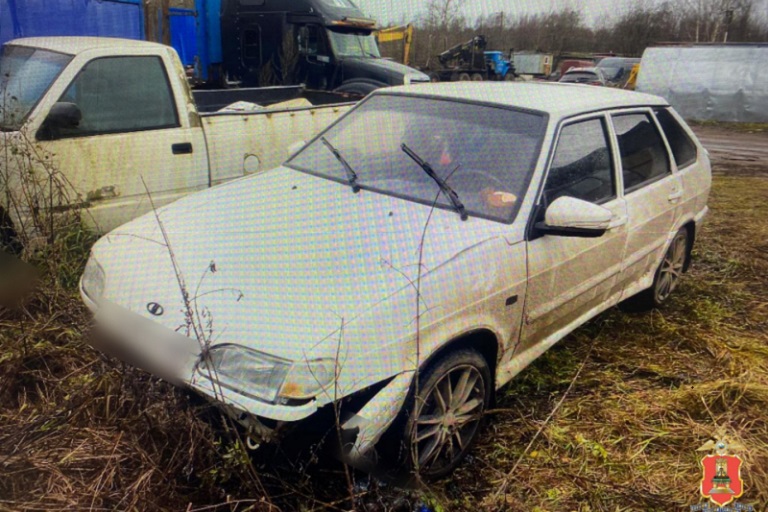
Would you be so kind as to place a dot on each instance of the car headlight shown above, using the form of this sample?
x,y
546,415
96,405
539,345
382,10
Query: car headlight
x,y
248,372
309,378
264,377
93,279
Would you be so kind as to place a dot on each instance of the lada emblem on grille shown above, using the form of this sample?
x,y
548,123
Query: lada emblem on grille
x,y
155,309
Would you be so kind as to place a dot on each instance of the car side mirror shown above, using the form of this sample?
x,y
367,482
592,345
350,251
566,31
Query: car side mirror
x,y
63,116
568,216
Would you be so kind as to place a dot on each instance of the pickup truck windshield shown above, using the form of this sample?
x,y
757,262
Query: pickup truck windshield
x,y
353,45
25,75
485,154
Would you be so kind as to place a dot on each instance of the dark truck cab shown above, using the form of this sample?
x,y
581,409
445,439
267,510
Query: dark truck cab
x,y
326,44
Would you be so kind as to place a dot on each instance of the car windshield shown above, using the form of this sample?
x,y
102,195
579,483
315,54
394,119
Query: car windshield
x,y
347,44
613,68
25,75
485,154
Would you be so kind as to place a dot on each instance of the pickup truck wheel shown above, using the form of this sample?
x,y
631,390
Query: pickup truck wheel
x,y
453,394
667,276
464,77
9,239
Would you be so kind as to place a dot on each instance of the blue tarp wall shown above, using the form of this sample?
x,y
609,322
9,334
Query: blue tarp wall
x,y
108,18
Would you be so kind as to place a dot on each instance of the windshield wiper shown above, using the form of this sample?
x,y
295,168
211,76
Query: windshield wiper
x,y
447,190
351,174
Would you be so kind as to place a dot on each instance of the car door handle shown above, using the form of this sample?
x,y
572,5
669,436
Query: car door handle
x,y
675,196
617,222
183,148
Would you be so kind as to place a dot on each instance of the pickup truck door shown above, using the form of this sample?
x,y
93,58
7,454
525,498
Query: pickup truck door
x,y
135,137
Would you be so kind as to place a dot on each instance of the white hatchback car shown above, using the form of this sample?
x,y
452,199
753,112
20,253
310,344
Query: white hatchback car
x,y
410,260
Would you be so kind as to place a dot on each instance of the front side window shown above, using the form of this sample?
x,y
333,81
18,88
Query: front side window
x,y
25,75
347,4
582,166
485,154
121,94
683,148
644,156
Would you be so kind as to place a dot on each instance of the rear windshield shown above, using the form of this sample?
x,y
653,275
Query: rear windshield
x,y
25,76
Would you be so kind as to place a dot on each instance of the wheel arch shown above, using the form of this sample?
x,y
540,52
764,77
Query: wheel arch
x,y
482,340
690,227
9,237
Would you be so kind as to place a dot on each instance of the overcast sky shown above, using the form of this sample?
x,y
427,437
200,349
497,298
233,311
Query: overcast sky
x,y
595,11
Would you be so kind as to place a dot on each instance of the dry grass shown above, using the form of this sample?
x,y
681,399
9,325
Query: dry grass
x,y
81,432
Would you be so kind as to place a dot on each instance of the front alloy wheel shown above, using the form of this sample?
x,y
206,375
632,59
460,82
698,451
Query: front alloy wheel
x,y
447,413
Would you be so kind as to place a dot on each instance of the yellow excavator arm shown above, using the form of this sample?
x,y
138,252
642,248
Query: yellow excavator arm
x,y
400,33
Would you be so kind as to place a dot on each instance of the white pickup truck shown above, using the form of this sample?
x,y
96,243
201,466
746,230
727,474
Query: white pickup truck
x,y
116,118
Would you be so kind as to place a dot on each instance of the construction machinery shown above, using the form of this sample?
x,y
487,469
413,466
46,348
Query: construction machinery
x,y
470,61
402,33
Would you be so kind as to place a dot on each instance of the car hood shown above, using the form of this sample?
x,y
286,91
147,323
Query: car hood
x,y
384,70
277,261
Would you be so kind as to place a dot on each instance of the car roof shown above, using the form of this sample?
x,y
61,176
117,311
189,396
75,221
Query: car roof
x,y
555,99
582,70
76,45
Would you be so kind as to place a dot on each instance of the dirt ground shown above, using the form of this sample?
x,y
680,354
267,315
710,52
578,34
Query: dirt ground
x,y
735,152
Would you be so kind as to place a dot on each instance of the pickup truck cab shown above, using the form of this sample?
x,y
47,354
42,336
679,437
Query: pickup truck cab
x,y
117,122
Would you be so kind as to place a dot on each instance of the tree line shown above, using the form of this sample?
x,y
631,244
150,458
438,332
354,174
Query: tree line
x,y
442,25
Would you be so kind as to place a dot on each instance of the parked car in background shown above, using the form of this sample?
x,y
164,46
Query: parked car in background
x,y
407,262
616,70
590,76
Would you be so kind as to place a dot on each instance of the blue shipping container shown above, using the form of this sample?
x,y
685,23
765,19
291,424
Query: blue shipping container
x,y
106,18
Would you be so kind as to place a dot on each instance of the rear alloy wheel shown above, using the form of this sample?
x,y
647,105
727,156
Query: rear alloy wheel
x,y
454,393
671,269
667,276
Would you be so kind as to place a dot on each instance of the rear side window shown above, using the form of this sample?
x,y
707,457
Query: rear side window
x,y
121,94
582,166
644,157
683,148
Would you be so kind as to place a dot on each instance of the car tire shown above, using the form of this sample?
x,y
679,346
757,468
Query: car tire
x,y
464,77
9,239
434,77
477,77
668,274
438,433
361,89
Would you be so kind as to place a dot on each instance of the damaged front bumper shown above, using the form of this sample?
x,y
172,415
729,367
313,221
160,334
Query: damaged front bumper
x,y
363,417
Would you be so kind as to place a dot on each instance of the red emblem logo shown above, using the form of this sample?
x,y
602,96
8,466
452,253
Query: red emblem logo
x,y
722,478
